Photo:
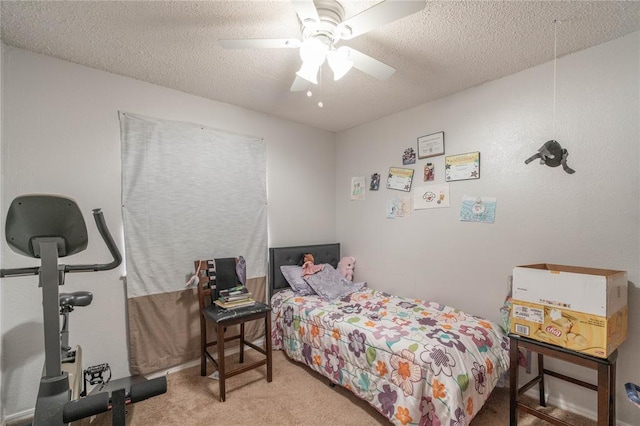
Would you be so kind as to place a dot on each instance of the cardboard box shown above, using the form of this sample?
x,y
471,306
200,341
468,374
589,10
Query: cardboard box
x,y
582,309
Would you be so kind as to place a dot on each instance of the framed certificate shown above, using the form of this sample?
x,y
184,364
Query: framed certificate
x,y
462,166
431,145
400,179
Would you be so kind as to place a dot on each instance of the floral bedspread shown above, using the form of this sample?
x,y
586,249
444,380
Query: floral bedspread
x,y
416,362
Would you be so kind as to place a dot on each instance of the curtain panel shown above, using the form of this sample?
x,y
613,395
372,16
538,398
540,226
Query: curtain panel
x,y
188,192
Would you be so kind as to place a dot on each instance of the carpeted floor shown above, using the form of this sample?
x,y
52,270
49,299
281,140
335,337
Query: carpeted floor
x,y
296,396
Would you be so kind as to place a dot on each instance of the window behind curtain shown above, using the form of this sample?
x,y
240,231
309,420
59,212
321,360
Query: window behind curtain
x,y
188,192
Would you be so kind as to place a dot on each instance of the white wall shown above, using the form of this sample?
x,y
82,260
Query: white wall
x,y
61,134
2,401
590,218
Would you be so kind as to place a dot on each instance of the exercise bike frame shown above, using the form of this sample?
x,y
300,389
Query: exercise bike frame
x,y
54,392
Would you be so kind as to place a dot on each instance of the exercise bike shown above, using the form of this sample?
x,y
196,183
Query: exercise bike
x,y
48,227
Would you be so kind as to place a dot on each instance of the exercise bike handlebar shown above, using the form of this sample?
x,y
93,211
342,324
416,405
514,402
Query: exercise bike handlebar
x,y
111,245
106,237
19,272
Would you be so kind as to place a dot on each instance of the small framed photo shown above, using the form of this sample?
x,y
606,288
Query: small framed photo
x,y
375,182
431,145
400,179
409,156
429,172
462,166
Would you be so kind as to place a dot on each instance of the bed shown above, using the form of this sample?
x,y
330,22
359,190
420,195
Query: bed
x,y
415,361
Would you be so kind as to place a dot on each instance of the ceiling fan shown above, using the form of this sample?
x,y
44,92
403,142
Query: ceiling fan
x,y
323,26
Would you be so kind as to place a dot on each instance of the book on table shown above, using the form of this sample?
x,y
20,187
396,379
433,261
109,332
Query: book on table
x,y
235,303
233,294
235,297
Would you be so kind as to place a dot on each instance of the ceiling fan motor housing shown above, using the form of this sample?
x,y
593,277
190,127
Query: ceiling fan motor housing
x,y
328,30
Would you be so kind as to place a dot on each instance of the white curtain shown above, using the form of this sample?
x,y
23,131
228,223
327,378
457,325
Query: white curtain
x,y
188,192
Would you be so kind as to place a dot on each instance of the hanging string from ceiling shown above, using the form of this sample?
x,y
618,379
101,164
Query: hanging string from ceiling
x,y
320,103
319,92
555,68
551,153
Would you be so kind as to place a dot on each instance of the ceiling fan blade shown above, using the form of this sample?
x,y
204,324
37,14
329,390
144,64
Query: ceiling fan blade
x,y
371,66
381,14
299,84
306,10
260,43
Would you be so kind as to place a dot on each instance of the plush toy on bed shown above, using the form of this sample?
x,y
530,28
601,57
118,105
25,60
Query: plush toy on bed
x,y
345,267
308,266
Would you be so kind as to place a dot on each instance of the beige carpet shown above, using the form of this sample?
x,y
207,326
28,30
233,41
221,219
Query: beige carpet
x,y
296,396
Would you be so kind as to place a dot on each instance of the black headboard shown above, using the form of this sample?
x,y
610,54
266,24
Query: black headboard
x,y
278,256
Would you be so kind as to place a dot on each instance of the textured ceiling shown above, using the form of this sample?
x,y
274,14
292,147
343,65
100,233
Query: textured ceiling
x,y
447,47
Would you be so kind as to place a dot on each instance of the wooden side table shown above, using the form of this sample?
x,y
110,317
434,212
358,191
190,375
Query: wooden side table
x,y
606,386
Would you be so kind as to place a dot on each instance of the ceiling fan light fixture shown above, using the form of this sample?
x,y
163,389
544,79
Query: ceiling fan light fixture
x,y
309,72
323,25
313,52
339,62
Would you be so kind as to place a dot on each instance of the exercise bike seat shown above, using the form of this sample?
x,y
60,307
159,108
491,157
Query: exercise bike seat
x,y
77,298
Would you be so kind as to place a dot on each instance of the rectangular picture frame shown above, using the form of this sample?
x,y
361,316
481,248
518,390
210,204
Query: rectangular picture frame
x,y
431,145
462,166
400,179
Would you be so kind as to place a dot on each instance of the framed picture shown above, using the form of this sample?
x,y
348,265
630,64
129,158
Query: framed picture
x,y
409,156
431,196
478,209
357,188
375,182
398,207
431,145
400,179
429,172
462,166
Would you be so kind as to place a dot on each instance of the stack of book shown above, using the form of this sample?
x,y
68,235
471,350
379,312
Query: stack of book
x,y
236,297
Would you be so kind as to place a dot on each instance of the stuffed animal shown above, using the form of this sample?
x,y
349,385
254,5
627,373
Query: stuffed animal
x,y
345,267
308,266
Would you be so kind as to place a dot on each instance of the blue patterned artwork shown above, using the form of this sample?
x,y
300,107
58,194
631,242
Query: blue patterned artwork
x,y
478,209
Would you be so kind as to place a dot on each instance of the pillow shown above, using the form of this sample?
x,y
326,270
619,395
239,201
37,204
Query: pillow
x,y
293,275
329,284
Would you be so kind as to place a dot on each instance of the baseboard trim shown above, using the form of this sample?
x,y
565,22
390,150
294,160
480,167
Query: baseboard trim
x,y
18,418
232,350
572,408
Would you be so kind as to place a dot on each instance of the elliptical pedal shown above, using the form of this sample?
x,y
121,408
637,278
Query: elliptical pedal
x,y
94,375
